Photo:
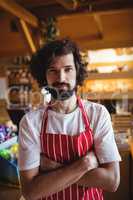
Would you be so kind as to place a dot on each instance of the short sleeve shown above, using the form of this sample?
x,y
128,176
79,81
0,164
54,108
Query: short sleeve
x,y
29,145
104,140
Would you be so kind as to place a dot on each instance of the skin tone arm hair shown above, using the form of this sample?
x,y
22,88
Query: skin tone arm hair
x,y
36,184
55,177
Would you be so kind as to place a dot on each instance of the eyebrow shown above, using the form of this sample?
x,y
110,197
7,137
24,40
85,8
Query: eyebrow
x,y
66,66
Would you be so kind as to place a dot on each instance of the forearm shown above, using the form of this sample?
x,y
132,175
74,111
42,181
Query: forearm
x,y
48,183
102,178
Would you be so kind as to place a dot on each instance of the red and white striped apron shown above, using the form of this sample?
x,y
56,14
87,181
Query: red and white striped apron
x,y
65,149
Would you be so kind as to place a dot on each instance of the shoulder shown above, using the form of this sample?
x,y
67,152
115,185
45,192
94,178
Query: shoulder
x,y
98,115
33,116
30,128
31,122
95,108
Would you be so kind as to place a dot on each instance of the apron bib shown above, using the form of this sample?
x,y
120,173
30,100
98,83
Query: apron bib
x,y
65,149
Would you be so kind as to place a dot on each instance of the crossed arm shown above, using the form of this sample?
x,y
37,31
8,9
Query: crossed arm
x,y
56,177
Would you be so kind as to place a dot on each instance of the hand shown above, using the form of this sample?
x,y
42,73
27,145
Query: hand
x,y
47,164
10,125
90,161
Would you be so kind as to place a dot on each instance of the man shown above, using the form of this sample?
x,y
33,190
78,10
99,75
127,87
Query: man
x,y
67,149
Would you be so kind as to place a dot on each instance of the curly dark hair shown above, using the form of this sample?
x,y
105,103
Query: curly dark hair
x,y
41,60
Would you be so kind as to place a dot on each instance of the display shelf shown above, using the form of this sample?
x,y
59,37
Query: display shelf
x,y
8,143
109,95
113,75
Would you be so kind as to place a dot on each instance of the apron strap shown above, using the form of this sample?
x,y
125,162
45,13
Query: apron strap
x,y
43,126
81,106
44,117
84,114
86,119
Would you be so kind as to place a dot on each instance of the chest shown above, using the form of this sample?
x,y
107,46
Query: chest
x,y
68,125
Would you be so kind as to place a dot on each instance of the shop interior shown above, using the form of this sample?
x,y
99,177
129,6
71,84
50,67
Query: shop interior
x,y
104,32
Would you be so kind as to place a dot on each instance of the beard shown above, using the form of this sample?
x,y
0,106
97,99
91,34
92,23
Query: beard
x,y
58,92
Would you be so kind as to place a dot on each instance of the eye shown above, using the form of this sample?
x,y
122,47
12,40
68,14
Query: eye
x,y
68,69
51,70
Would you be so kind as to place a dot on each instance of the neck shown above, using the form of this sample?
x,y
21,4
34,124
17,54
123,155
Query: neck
x,y
66,106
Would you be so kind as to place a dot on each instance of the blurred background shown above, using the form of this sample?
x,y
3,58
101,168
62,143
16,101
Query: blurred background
x,y
103,29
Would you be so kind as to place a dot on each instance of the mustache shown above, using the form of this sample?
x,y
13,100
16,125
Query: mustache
x,y
59,84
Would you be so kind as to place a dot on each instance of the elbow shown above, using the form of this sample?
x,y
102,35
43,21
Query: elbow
x,y
114,184
115,187
27,194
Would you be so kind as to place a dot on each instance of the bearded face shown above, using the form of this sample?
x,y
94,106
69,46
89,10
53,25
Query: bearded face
x,y
61,77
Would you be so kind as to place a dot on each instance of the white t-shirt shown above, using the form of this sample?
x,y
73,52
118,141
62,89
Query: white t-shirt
x,y
72,124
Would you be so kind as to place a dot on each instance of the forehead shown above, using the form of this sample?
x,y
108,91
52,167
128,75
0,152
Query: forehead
x,y
62,61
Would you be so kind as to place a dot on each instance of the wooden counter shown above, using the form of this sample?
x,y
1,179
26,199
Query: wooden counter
x,y
125,190
9,193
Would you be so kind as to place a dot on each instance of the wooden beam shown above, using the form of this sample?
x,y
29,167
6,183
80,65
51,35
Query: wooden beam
x,y
99,25
87,38
11,53
99,13
34,3
28,36
19,11
58,11
103,44
68,5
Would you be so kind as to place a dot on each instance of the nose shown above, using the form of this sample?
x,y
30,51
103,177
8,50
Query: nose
x,y
61,76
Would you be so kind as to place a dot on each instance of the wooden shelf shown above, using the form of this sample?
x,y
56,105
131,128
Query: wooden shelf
x,y
109,95
113,75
